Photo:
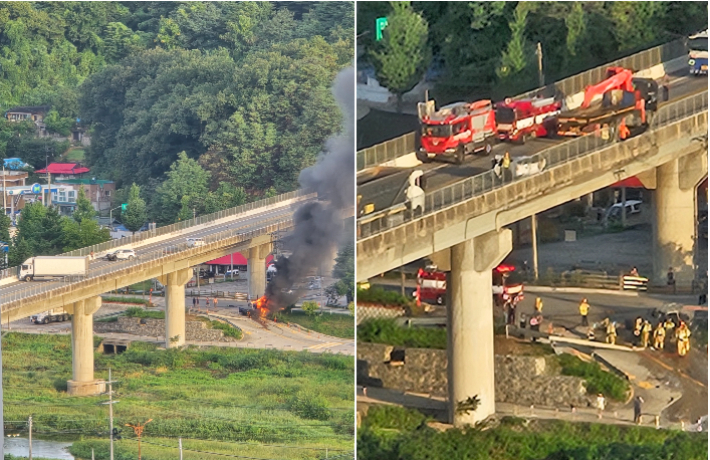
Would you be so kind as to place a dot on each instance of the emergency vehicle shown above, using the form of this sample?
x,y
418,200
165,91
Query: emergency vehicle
x,y
519,120
431,285
456,130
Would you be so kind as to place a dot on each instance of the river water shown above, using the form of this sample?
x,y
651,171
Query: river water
x,y
40,448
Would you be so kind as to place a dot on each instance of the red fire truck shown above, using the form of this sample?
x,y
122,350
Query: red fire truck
x,y
519,120
431,285
456,130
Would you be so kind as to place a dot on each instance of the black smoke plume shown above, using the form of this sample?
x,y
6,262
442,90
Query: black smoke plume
x,y
319,225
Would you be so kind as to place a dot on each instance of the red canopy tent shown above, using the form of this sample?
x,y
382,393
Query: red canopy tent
x,y
239,259
629,182
67,169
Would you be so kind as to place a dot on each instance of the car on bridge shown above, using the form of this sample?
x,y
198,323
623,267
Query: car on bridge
x,y
122,254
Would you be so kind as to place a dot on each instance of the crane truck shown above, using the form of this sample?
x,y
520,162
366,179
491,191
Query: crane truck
x,y
47,267
619,98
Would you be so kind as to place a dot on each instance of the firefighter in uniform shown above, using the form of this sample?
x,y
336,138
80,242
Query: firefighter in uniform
x,y
646,333
683,337
505,167
538,305
659,337
610,332
584,311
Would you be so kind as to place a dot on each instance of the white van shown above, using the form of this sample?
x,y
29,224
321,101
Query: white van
x,y
194,242
633,207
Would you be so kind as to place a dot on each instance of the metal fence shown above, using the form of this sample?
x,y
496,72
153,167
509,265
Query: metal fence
x,y
489,180
163,253
639,61
403,145
386,151
176,227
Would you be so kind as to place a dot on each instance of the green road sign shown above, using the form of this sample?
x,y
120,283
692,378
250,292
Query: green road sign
x,y
380,24
124,206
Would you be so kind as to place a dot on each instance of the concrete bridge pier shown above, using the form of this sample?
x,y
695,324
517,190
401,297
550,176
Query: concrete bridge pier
x,y
470,324
82,348
675,225
175,306
257,270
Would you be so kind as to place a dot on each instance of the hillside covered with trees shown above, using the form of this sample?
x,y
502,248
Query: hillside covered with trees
x,y
204,105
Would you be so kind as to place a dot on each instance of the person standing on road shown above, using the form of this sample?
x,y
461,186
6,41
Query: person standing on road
x,y
535,322
634,271
668,325
646,333
610,332
194,302
638,405
659,337
538,305
671,278
207,302
683,338
584,311
215,302
601,405
666,88
638,325
505,164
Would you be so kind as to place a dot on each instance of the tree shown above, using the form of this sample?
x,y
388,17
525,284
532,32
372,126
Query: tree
x,y
351,308
82,234
344,270
226,196
134,217
186,178
5,223
576,27
20,251
187,209
404,55
310,307
84,209
514,57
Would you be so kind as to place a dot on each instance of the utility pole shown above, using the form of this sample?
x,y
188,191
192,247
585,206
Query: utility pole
x,y
540,75
623,207
110,403
4,191
401,271
138,430
180,447
30,423
2,416
533,224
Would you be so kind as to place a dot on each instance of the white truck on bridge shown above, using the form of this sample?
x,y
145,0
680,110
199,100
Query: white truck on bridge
x,y
53,267
57,314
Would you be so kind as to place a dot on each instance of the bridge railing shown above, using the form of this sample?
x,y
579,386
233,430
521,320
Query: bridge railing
x,y
164,252
437,200
403,145
386,151
178,226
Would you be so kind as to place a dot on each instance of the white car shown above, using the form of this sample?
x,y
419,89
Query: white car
x,y
230,273
122,254
194,242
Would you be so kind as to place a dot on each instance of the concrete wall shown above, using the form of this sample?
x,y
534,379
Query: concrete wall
x,y
523,380
513,202
195,331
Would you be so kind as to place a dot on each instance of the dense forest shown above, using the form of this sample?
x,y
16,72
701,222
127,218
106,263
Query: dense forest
x,y
488,49
241,88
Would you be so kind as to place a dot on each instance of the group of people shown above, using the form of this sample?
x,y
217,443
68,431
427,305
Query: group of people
x,y
502,167
664,330
196,303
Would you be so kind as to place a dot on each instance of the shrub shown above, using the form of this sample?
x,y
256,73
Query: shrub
x,y
136,300
308,406
395,417
598,381
388,332
227,329
380,296
137,312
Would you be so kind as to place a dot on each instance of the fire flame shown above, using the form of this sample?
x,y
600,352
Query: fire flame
x,y
260,306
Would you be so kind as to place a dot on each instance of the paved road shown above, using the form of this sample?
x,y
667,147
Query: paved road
x,y
247,224
268,335
388,191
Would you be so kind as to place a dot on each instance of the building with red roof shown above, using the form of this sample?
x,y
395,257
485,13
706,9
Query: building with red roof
x,y
64,169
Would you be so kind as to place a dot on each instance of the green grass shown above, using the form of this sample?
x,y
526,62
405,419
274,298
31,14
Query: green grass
x,y
75,155
598,380
388,332
216,394
398,433
337,325
137,312
136,300
227,329
380,296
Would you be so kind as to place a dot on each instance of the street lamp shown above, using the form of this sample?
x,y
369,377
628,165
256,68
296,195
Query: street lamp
x,y
110,216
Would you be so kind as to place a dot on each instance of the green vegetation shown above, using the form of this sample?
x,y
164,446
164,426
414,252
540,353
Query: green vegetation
x,y
137,312
574,36
236,398
137,300
75,155
331,324
397,433
598,380
344,270
227,329
380,296
387,331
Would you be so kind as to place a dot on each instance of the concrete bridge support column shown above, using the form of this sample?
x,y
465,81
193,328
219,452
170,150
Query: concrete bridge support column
x,y
470,324
82,348
175,306
675,232
257,270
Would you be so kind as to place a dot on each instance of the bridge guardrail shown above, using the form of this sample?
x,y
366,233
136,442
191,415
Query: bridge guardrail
x,y
178,226
488,181
403,145
154,255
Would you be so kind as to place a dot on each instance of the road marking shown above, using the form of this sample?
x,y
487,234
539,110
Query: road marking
x,y
324,345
